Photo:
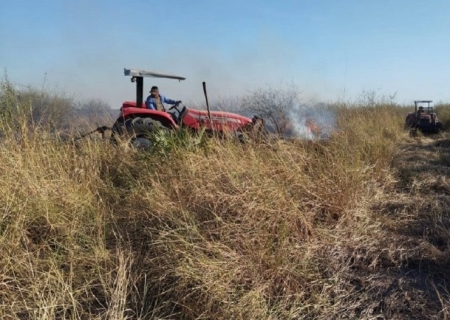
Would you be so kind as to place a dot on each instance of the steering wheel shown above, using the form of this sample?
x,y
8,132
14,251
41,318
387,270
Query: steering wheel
x,y
175,106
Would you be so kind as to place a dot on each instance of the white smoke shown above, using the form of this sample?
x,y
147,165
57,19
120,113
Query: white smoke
x,y
312,121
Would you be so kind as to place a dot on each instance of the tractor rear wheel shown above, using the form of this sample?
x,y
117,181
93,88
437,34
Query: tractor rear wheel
x,y
139,132
143,126
141,142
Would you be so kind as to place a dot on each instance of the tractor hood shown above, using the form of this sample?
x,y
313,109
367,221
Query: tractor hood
x,y
150,74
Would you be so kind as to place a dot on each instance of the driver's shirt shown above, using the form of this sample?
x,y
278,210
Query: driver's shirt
x,y
159,105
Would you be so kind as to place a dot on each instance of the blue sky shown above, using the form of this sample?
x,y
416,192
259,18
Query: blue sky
x,y
330,49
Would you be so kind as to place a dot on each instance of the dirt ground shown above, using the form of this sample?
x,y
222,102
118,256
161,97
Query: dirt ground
x,y
414,211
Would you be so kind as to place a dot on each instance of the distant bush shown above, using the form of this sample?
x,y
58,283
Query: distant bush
x,y
443,113
34,107
47,108
93,112
53,111
275,105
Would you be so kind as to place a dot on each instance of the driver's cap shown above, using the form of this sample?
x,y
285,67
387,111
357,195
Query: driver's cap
x,y
153,89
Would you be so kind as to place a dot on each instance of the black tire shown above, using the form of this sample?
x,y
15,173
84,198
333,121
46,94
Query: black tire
x,y
143,126
142,130
137,131
141,142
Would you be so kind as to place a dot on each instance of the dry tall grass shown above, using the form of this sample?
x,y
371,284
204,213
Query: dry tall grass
x,y
201,229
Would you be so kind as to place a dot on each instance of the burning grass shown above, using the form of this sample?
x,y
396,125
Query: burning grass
x,y
202,229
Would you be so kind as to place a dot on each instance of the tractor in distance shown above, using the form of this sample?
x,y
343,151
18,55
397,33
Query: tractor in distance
x,y
423,119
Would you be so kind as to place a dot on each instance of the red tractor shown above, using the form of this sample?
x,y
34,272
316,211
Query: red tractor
x,y
137,123
423,119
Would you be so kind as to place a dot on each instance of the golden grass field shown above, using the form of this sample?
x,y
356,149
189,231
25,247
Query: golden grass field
x,y
355,227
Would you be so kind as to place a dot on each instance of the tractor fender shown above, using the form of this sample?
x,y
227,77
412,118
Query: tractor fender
x,y
161,116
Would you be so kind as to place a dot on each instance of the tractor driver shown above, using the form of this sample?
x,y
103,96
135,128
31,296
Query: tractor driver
x,y
420,110
155,101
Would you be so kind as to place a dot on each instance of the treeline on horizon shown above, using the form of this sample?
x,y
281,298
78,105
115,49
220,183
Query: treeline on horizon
x,y
283,108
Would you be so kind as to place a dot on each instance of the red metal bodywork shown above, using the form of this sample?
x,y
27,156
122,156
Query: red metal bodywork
x,y
194,119
220,121
423,118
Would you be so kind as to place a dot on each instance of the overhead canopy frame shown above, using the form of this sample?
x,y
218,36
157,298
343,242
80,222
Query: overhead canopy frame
x,y
416,102
423,101
137,75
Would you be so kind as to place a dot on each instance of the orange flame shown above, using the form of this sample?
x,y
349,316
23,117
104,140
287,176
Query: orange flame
x,y
312,126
